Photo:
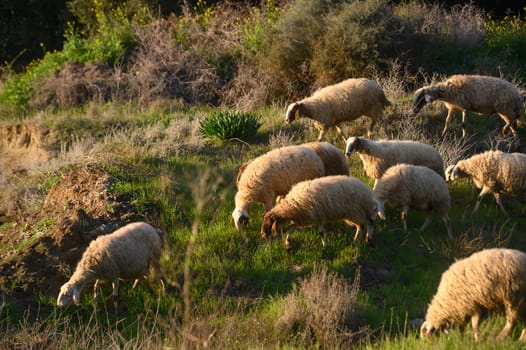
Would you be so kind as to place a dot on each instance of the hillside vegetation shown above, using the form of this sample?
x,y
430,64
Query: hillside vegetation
x,y
141,117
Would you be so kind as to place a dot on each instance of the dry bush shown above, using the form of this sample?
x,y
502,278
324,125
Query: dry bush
x,y
77,84
323,309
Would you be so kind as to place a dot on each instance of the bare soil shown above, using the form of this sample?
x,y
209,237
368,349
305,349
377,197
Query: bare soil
x,y
38,252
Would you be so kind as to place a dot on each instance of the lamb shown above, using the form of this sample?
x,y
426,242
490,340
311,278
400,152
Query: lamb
x,y
494,172
344,101
474,93
271,175
333,159
413,186
378,156
127,253
322,200
489,281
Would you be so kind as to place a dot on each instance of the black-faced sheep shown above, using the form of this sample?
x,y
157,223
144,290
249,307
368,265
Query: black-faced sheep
x,y
412,186
323,200
126,254
489,281
341,102
271,175
378,156
494,172
474,93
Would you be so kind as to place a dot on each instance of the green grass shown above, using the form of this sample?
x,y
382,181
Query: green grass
x,y
238,281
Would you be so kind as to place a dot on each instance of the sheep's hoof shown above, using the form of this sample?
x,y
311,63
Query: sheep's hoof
x,y
369,242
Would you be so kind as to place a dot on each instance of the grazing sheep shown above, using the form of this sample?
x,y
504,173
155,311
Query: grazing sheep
x,y
474,93
494,172
345,101
126,254
413,186
378,156
333,159
489,281
322,200
271,175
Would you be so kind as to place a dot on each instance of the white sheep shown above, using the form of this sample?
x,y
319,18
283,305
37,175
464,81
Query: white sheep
x,y
323,200
474,93
344,101
127,253
494,172
271,175
413,186
378,156
333,159
489,281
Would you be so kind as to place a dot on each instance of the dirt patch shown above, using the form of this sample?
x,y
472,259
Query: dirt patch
x,y
46,248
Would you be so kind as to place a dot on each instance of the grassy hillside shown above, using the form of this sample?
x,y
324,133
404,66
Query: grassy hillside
x,y
234,289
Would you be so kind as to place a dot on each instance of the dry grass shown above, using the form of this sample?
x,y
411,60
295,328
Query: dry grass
x,y
323,309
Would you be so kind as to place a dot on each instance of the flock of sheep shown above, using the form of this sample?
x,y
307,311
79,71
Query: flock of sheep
x,y
309,185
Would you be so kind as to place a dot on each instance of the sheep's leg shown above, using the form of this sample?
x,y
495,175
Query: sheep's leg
x,y
369,235
498,199
404,217
475,321
511,319
321,231
429,218
508,125
371,126
287,241
482,193
95,293
115,294
340,132
464,118
323,131
449,229
450,114
358,232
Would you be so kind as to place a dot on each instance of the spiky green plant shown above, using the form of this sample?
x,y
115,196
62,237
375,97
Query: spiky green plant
x,y
226,125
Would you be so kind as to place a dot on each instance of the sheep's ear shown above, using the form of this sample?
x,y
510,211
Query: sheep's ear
x,y
298,110
275,226
241,170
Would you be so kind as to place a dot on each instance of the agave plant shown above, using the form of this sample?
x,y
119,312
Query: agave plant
x,y
226,125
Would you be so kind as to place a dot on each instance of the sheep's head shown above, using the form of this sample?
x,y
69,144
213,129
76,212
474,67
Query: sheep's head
x,y
427,330
294,111
352,145
453,172
68,293
270,225
240,217
422,97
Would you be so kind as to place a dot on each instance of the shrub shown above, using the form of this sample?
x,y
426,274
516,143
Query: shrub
x,y
226,125
323,310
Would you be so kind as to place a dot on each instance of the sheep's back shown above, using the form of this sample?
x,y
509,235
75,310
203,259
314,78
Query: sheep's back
x,y
333,159
274,173
328,199
347,100
126,252
390,153
483,94
417,186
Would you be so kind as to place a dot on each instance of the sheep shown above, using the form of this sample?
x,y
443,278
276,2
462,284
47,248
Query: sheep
x,y
474,93
494,172
322,200
271,175
127,253
378,156
488,281
414,186
344,101
333,159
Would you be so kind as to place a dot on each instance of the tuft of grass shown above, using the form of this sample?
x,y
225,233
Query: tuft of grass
x,y
227,125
